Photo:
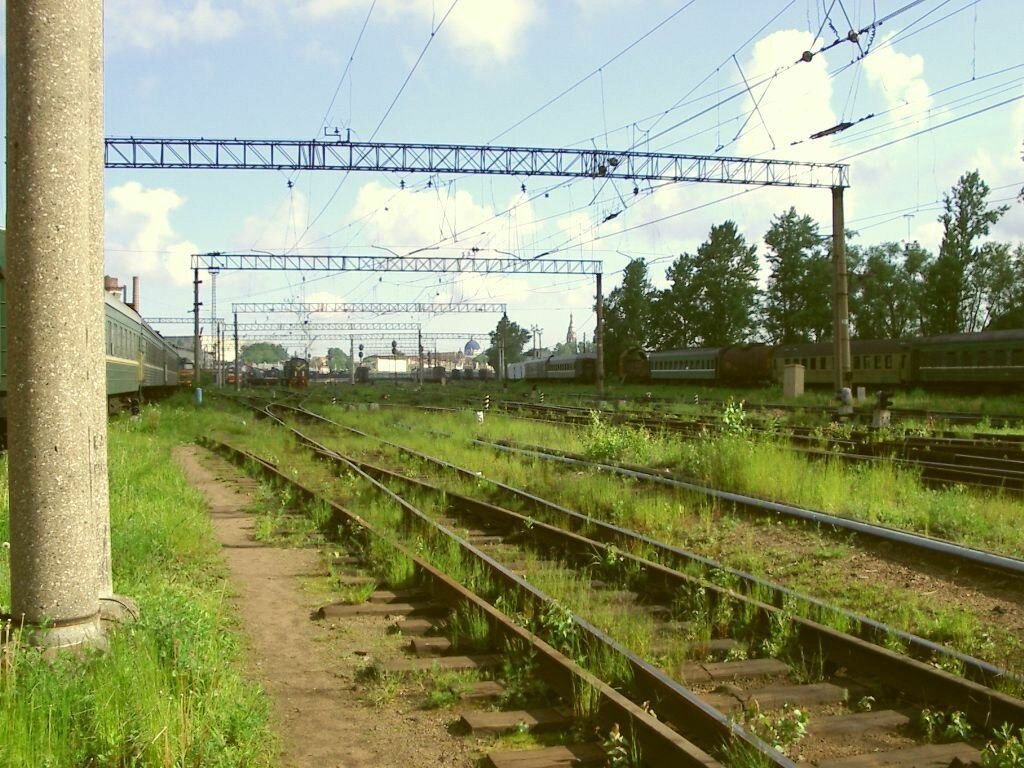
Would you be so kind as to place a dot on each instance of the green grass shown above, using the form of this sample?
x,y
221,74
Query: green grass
x,y
809,560
170,690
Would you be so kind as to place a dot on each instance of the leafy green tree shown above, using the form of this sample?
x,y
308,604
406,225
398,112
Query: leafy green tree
x,y
712,297
798,298
628,314
337,360
1004,302
961,277
515,339
263,352
886,287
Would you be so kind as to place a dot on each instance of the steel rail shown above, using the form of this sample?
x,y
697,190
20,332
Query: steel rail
x,y
983,705
677,702
975,669
682,708
936,457
953,690
657,740
1001,563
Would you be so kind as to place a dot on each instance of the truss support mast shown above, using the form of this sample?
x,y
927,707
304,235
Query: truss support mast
x,y
403,157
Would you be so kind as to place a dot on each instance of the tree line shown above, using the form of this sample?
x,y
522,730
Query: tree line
x,y
896,289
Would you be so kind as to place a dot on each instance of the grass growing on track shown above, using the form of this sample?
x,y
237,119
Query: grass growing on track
x,y
808,560
170,690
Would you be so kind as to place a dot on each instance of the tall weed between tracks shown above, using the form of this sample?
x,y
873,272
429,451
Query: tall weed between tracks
x,y
603,441
169,689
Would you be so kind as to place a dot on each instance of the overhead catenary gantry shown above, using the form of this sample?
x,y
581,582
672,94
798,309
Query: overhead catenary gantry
x,y
628,165
244,328
368,307
178,320
400,335
261,262
404,157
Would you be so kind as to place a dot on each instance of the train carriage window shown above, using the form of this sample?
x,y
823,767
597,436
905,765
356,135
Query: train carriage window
x,y
814,363
867,362
856,362
999,357
951,359
878,362
803,362
888,361
903,361
1017,357
983,358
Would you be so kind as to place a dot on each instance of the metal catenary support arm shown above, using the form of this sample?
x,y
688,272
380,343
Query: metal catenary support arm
x,y
374,307
336,263
297,154
248,328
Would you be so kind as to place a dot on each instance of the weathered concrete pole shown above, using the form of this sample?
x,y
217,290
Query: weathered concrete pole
x,y
196,282
599,337
56,422
840,294
238,371
352,360
112,607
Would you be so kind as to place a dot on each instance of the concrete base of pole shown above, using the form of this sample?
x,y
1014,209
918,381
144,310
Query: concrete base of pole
x,y
118,609
73,637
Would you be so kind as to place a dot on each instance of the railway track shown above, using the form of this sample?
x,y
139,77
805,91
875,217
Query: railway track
x,y
847,663
985,462
997,421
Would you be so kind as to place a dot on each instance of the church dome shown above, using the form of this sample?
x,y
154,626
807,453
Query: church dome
x,y
472,348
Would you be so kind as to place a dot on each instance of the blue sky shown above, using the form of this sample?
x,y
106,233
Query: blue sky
x,y
242,68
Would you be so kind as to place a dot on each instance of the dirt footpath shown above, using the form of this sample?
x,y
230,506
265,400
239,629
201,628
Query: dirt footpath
x,y
323,716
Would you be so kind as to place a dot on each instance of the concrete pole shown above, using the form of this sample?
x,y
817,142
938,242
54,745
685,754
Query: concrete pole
x,y
840,294
221,350
114,608
599,337
238,372
196,350
351,359
419,341
56,446
214,330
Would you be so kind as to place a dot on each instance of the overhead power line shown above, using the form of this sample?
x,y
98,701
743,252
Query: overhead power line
x,y
594,71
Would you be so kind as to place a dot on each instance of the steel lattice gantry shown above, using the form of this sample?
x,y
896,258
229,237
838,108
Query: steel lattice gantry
x,y
332,263
339,155
374,307
323,327
400,336
336,155
177,320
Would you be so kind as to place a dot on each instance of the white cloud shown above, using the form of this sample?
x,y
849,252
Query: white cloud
x,y
140,238
483,28
284,228
899,77
793,105
404,218
149,23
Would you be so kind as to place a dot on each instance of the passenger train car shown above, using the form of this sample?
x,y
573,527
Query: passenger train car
x,y
582,368
139,360
986,359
